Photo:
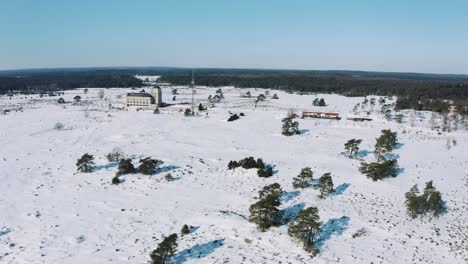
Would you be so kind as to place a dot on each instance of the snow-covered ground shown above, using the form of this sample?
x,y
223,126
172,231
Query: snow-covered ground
x,y
49,213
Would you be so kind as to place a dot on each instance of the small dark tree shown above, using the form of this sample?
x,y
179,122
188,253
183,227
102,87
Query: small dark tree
x,y
185,230
174,98
166,249
148,166
85,163
378,171
115,180
305,227
385,143
325,185
413,202
188,112
275,96
304,179
265,172
77,98
125,167
115,155
61,100
169,177
174,91
352,147
322,102
200,107
289,127
433,202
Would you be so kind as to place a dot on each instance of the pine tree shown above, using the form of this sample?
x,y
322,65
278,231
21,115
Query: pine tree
x,y
166,249
325,185
273,192
321,102
303,180
125,167
413,202
185,230
265,212
378,171
305,227
385,143
85,163
352,147
435,204
289,127
148,166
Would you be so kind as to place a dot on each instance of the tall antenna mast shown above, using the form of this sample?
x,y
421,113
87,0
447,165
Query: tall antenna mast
x,y
192,84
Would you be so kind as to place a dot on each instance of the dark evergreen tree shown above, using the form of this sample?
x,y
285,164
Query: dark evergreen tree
x,y
413,202
188,112
85,163
185,230
165,250
275,96
200,107
385,143
378,171
115,180
265,212
289,127
304,179
325,184
352,147
435,204
305,227
148,165
265,172
322,102
125,167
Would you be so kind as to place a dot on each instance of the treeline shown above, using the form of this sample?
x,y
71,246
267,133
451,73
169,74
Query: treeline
x,y
349,83
50,81
345,83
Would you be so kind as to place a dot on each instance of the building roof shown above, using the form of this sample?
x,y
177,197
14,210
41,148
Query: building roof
x,y
140,94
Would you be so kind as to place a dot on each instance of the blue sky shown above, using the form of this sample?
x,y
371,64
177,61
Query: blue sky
x,y
393,35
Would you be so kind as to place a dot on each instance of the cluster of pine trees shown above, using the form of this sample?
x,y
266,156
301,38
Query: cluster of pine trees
x,y
319,102
430,202
148,166
383,168
306,176
289,127
263,170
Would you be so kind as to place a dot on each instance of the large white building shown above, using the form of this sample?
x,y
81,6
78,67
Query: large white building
x,y
145,100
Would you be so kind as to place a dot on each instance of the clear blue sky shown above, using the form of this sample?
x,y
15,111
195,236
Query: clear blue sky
x,y
390,35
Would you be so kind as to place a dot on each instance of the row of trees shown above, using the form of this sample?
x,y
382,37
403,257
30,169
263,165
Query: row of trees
x,y
265,214
147,166
263,170
306,176
430,202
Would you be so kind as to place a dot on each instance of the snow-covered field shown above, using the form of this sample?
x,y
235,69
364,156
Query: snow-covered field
x,y
49,213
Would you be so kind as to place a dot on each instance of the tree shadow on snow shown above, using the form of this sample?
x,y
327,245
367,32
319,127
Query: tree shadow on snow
x,y
391,156
197,251
303,131
166,168
341,188
4,232
399,145
334,226
288,196
362,153
106,167
268,165
290,213
400,171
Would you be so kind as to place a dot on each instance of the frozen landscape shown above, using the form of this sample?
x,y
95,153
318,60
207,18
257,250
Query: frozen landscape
x,y
50,213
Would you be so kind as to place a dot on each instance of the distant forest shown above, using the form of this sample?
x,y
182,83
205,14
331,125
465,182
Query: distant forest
x,y
349,83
